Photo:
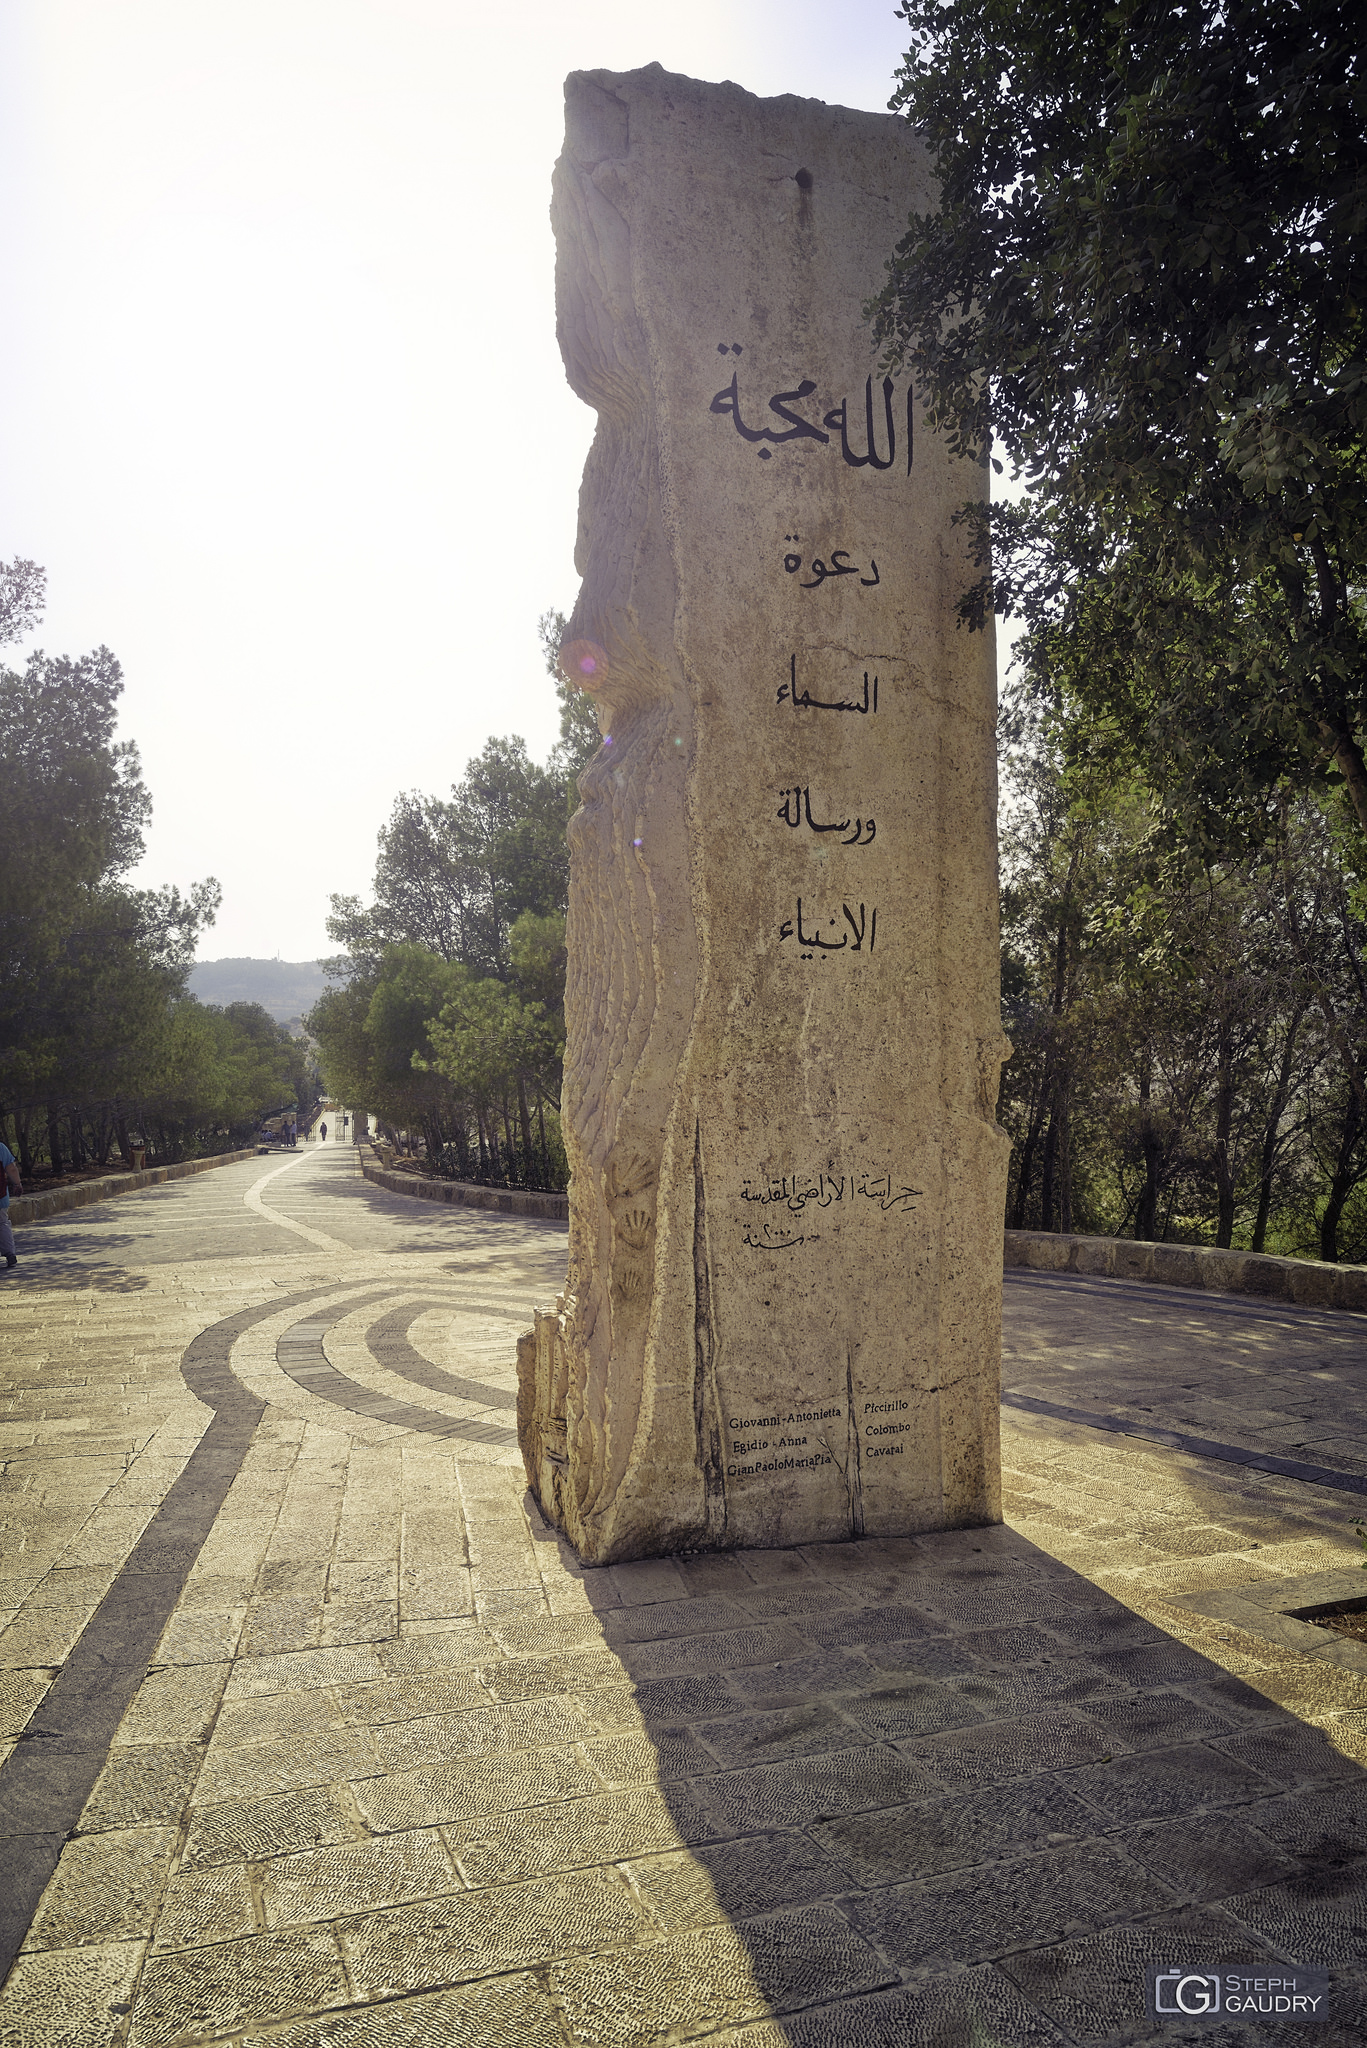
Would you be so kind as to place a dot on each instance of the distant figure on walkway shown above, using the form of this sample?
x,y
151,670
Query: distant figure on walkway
x,y
345,1121
323,1132
11,1184
294,1132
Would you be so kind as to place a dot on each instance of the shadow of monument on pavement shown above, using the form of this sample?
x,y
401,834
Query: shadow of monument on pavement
x,y
947,1791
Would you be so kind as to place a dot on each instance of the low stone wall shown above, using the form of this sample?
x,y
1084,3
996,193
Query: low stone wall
x,y
29,1208
467,1193
1307,1281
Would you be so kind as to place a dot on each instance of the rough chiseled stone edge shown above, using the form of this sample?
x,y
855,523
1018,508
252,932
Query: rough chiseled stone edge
x,y
1308,1282
31,1208
469,1194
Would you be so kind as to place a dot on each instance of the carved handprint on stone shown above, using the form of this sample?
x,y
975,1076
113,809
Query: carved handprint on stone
x,y
634,1228
626,1178
630,1282
629,1184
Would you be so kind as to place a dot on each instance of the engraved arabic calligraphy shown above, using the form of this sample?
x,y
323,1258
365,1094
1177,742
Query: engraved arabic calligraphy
x,y
798,801
795,1190
861,452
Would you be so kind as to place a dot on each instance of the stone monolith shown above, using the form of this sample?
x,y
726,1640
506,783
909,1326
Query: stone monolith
x,y
781,1322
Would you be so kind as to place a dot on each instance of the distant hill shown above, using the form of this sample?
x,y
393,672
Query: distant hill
x,y
287,988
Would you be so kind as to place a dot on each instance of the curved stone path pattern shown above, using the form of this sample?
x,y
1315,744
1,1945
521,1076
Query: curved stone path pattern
x,y
311,1732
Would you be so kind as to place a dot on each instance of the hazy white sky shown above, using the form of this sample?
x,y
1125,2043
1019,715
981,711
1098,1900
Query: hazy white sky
x,y
281,408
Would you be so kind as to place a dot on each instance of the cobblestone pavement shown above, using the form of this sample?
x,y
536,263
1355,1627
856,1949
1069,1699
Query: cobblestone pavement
x,y
322,1739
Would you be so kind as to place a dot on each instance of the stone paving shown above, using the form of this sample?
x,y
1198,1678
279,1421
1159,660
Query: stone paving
x,y
314,1734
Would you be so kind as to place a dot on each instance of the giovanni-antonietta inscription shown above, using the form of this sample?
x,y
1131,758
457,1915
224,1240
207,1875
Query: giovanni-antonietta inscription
x,y
781,1321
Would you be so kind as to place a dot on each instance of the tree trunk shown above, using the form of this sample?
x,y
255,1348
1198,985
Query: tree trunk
x,y
1224,1122
1348,759
1046,1176
508,1134
1027,1165
1346,1178
1056,1074
524,1117
1146,1213
54,1144
1056,1192
1272,1127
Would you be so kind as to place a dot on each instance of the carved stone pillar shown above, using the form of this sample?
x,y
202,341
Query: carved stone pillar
x,y
781,1322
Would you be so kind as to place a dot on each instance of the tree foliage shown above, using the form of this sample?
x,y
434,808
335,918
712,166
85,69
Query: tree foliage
x,y
98,1039
455,874
1146,285
1190,1037
446,1016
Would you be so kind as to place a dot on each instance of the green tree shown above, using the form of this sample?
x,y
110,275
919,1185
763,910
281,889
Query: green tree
x,y
75,804
337,1023
412,987
213,1074
1147,281
451,1017
23,589
1188,1034
455,875
536,954
505,1054
90,969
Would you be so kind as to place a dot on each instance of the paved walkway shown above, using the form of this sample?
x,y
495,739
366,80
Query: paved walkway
x,y
323,1740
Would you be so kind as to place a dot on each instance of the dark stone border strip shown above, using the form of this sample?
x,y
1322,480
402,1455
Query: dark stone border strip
x,y
390,1347
1194,1446
49,1775
299,1352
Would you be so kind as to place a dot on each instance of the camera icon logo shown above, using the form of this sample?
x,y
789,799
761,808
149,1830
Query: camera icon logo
x,y
1186,1994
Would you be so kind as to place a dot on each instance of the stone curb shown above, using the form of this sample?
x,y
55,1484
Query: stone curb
x,y
1307,1282
469,1194
31,1208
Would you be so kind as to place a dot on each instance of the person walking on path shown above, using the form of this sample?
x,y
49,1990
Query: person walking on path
x,y
11,1183
322,1134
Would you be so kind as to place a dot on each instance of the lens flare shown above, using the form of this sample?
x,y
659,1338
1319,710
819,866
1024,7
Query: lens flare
x,y
583,662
